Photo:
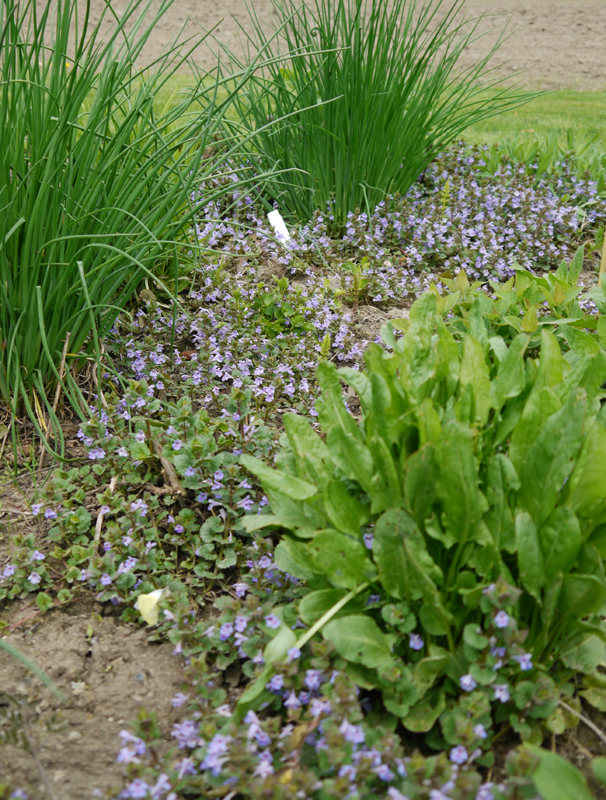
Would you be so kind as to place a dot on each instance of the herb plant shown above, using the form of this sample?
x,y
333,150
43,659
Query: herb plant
x,y
95,186
452,538
372,98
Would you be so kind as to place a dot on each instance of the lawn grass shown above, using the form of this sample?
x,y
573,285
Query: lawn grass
x,y
552,114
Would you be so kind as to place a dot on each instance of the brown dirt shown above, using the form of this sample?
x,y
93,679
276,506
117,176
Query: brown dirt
x,y
108,672
555,44
109,675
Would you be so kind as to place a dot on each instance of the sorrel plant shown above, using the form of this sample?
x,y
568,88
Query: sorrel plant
x,y
95,185
378,96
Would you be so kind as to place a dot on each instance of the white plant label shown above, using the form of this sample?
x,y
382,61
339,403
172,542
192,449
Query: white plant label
x,y
278,224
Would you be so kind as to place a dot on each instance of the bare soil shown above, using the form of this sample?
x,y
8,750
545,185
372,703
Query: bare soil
x,y
554,44
108,670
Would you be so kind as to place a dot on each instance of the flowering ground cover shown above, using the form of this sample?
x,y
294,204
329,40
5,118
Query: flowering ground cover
x,y
149,522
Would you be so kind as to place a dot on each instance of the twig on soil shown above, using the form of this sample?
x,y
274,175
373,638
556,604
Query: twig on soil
x,y
170,471
584,719
34,755
99,523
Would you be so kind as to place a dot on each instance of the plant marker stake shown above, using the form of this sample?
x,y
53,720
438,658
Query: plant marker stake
x,y
278,224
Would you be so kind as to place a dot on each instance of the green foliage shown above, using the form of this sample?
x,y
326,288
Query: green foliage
x,y
466,509
371,96
95,188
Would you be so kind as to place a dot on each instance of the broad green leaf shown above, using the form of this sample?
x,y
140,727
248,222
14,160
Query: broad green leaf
x,y
475,373
256,522
277,648
314,605
385,483
359,639
310,452
419,482
501,479
551,458
423,716
586,487
434,618
299,516
556,778
550,371
351,456
530,557
294,558
580,342
419,355
330,406
539,407
511,377
387,408
340,559
561,540
595,691
457,483
585,654
581,596
428,421
405,567
598,765
344,511
270,478
360,382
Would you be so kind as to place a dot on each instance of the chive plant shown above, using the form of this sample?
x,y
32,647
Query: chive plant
x,y
377,96
95,186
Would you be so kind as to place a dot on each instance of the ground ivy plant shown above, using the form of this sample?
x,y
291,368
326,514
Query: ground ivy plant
x,y
452,536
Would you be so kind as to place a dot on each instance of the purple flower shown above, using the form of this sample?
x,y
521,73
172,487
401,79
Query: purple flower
x,y
525,661
186,733
246,503
139,505
50,514
37,556
136,790
292,701
458,754
416,642
480,731
179,699
276,683
501,619
9,571
264,768
36,509
293,654
484,792
34,578
216,753
384,773
226,630
501,692
126,540
368,540
313,679
348,771
122,452
177,444
467,683
272,621
104,510
240,624
352,733
185,767
190,472
319,706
